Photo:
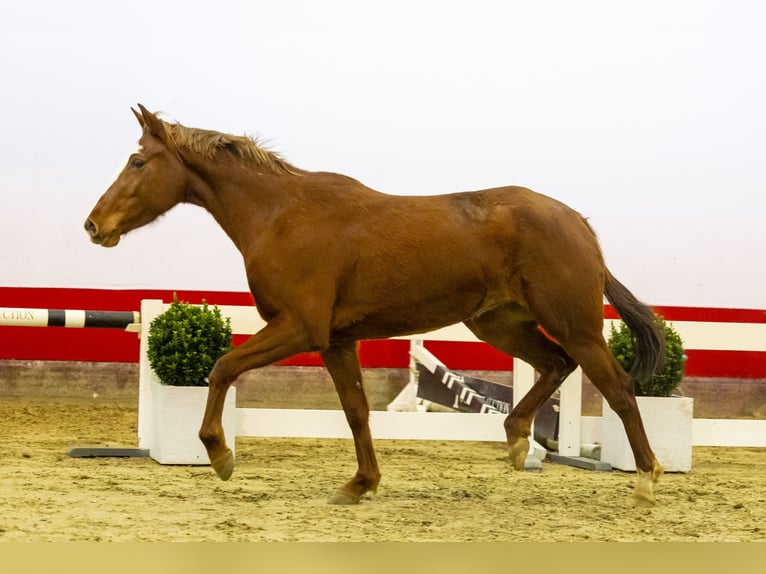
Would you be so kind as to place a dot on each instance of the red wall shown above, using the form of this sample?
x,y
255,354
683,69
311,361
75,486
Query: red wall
x,y
113,345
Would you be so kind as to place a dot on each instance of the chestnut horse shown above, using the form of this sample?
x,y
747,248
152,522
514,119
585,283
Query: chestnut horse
x,y
331,262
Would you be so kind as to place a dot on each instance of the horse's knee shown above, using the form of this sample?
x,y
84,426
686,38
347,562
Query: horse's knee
x,y
357,418
355,405
221,372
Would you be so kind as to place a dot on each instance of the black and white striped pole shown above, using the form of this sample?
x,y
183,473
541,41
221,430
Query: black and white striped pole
x,y
72,318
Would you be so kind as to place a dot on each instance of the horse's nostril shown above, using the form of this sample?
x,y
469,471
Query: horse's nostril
x,y
90,227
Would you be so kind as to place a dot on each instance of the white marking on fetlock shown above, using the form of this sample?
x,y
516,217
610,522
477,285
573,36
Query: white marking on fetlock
x,y
644,493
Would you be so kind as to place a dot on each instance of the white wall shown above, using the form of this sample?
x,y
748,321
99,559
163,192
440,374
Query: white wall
x,y
647,117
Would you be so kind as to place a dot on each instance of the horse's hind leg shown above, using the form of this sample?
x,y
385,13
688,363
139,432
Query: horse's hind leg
x,y
574,317
343,365
513,332
617,387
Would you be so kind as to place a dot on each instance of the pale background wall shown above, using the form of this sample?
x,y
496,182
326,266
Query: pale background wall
x,y
647,117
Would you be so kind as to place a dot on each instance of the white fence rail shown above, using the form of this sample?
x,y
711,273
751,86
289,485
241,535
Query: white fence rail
x,y
574,429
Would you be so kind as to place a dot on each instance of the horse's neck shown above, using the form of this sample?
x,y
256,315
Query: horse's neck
x,y
238,198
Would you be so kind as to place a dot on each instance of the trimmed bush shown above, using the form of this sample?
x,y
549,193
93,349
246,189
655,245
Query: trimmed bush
x,y
663,383
185,342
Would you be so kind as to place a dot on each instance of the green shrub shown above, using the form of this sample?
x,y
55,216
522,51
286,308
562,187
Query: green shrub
x,y
185,342
663,383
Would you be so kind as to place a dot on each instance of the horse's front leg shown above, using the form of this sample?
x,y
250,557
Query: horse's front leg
x,y
343,364
279,339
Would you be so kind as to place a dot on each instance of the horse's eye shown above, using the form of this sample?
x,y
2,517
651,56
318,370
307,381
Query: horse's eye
x,y
137,162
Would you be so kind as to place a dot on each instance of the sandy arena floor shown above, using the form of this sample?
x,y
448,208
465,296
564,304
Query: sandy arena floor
x,y
431,491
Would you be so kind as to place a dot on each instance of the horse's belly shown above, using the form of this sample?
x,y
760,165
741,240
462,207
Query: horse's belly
x,y
412,317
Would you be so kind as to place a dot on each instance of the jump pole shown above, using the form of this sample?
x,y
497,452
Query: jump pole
x,y
71,318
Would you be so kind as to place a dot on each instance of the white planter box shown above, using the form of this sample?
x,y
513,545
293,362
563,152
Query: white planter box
x,y
668,424
177,413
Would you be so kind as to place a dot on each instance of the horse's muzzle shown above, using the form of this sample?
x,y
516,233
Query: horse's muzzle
x,y
105,240
91,230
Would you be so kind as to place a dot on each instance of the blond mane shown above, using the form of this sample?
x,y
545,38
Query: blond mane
x,y
245,148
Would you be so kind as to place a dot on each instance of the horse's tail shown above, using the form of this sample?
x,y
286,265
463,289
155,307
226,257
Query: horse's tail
x,y
643,324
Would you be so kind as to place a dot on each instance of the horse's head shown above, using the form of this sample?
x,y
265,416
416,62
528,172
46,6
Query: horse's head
x,y
153,180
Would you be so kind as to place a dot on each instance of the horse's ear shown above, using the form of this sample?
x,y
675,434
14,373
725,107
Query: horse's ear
x,y
152,123
139,117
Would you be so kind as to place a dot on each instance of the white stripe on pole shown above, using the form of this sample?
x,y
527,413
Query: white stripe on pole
x,y
74,318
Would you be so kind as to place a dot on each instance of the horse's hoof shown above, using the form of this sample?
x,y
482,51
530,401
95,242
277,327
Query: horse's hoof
x,y
643,496
343,497
642,501
518,453
224,465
